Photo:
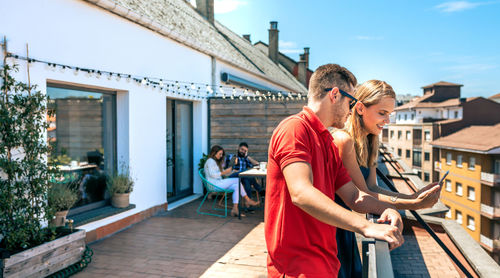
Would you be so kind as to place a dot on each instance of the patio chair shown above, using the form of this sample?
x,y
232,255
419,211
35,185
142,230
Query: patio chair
x,y
212,188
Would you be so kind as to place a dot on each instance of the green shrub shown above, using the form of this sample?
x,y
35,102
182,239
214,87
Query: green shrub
x,y
120,183
24,173
61,197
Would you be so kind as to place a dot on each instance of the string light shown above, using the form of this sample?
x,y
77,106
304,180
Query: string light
x,y
163,85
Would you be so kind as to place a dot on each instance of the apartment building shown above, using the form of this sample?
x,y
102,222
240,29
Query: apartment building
x,y
439,112
472,189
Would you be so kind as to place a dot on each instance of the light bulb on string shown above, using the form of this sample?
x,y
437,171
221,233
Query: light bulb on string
x,y
192,86
161,83
144,81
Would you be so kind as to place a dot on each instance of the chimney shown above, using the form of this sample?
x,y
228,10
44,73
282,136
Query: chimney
x,y
306,56
302,70
247,37
273,42
206,9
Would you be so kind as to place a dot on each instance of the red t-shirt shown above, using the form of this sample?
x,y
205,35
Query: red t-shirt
x,y
299,245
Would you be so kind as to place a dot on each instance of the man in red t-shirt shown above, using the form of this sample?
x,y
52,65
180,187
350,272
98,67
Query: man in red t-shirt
x,y
304,172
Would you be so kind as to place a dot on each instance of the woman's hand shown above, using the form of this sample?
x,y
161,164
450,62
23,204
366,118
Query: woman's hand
x,y
427,196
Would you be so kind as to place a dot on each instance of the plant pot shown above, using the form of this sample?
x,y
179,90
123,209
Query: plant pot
x,y
120,200
60,219
45,259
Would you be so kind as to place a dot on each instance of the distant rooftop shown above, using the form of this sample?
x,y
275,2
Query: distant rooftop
x,y
442,83
486,138
420,103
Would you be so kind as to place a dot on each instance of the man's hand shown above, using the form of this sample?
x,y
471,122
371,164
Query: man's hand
x,y
393,217
427,196
385,232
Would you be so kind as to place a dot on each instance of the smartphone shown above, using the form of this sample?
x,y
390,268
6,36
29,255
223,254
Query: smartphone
x,y
442,179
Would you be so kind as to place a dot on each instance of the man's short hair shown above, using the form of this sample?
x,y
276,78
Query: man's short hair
x,y
243,144
329,76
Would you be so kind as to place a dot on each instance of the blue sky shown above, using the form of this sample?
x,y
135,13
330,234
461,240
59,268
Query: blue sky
x,y
409,44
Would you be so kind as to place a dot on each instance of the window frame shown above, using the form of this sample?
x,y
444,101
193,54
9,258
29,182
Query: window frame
x,y
457,191
473,193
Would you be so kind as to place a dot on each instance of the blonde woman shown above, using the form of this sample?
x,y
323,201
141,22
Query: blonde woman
x,y
358,148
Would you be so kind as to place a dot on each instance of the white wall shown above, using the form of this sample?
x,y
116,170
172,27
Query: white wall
x,y
433,113
75,33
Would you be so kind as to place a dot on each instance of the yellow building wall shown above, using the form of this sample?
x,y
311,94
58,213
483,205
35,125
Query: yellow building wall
x,y
467,177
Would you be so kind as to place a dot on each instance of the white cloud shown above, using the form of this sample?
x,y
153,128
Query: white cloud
x,y
292,51
458,6
368,38
287,44
470,68
227,6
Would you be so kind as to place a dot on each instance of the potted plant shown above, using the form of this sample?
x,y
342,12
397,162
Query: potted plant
x,y
60,198
28,247
119,186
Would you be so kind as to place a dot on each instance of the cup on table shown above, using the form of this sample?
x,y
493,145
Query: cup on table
x,y
74,163
263,166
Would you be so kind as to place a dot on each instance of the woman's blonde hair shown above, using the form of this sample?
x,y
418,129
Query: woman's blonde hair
x,y
369,93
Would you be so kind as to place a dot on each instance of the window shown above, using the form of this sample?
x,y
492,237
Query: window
x,y
408,135
456,114
448,185
427,135
400,133
427,156
448,213
458,189
399,117
471,223
448,158
471,193
82,133
400,152
472,163
408,154
458,216
392,133
497,167
459,161
417,158
426,176
406,117
412,116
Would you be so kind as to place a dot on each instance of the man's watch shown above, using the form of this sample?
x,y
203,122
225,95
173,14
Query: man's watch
x,y
394,199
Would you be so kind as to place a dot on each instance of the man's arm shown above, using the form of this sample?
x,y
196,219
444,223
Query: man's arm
x,y
253,161
299,181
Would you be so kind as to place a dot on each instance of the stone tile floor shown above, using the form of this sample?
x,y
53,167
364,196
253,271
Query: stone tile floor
x,y
182,243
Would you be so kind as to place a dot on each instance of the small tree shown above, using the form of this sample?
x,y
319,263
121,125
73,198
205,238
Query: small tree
x,y
24,173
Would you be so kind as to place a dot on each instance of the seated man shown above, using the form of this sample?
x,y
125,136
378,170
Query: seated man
x,y
242,162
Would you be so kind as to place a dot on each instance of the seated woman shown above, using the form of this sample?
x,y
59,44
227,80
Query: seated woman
x,y
214,173
358,148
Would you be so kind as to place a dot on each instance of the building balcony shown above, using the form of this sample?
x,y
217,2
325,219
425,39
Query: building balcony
x,y
490,179
492,245
490,212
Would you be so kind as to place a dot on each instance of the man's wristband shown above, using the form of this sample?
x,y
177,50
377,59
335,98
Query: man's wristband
x,y
394,199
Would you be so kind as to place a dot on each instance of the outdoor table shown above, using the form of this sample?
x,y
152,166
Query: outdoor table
x,y
252,173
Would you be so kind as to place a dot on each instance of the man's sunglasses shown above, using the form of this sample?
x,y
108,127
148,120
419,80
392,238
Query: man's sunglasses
x,y
353,99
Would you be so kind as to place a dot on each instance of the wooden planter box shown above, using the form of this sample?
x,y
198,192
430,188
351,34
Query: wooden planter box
x,y
45,259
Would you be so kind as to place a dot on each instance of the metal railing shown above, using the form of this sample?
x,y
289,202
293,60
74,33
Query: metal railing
x,y
376,257
418,217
